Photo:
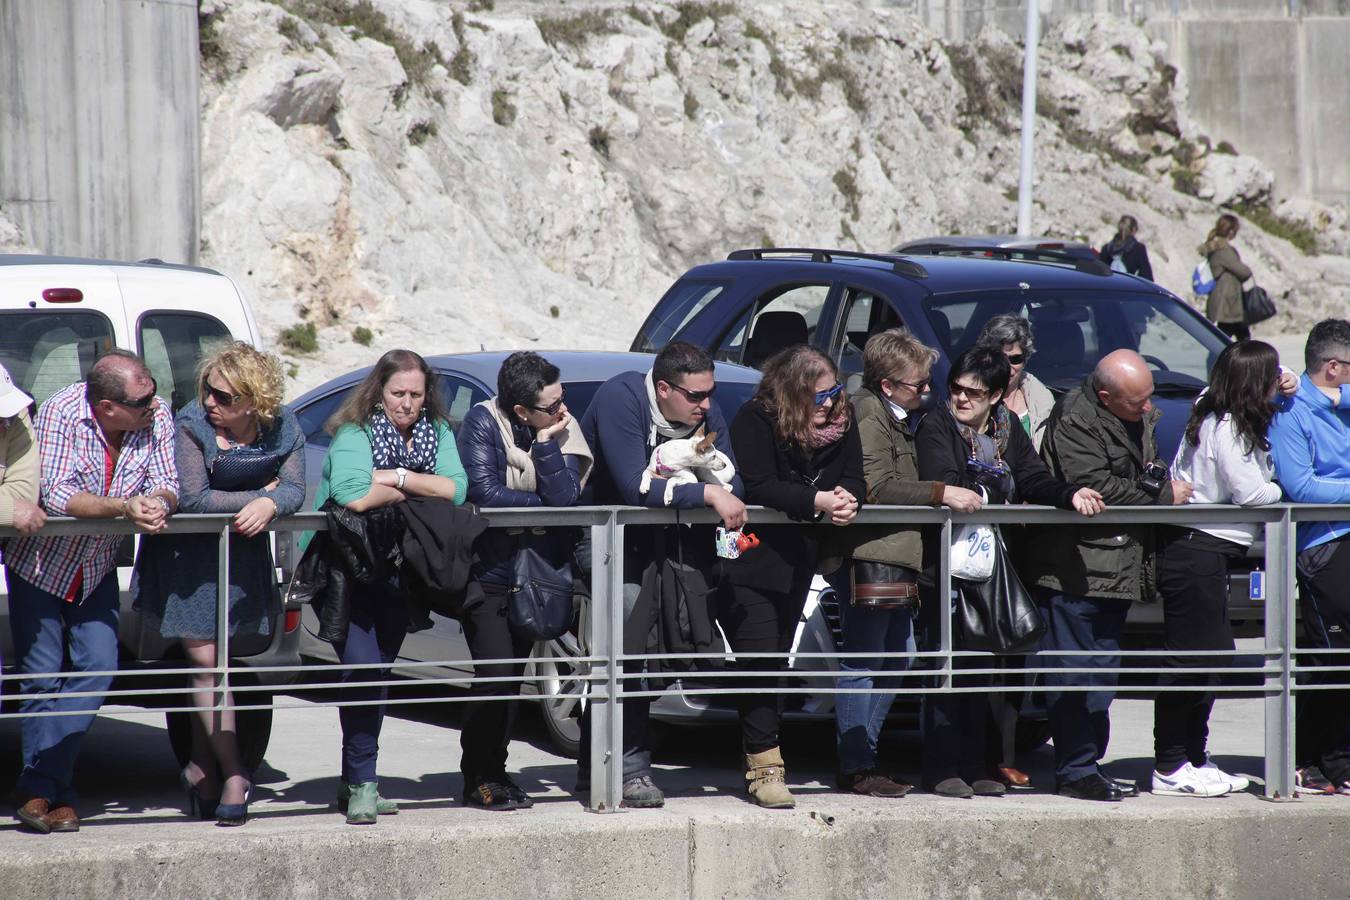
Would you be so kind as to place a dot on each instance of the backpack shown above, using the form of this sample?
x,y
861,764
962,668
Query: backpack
x,y
1202,279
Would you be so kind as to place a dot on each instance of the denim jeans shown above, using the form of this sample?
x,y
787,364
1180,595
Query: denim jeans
x,y
46,628
859,717
378,625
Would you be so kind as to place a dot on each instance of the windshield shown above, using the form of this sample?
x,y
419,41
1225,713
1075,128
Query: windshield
x,y
47,351
1073,330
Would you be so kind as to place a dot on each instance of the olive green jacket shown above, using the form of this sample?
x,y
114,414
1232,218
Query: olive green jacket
x,y
891,468
1225,301
1085,444
19,466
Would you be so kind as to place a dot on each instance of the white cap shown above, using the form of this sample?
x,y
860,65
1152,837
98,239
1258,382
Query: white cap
x,y
12,400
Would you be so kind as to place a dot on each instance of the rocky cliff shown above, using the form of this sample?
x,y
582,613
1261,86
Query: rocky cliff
x,y
446,176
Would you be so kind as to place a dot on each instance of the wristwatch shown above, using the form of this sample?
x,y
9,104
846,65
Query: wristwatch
x,y
402,474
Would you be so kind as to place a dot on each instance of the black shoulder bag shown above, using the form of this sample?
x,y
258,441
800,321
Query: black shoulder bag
x,y
1256,305
998,615
539,606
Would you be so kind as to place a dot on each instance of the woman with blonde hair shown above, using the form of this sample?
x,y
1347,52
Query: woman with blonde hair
x,y
797,449
1224,306
238,450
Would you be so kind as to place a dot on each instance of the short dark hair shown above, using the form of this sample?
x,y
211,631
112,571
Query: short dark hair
x,y
522,376
108,377
680,358
988,365
1328,338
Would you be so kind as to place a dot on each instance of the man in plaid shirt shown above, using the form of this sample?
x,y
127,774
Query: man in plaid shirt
x,y
107,452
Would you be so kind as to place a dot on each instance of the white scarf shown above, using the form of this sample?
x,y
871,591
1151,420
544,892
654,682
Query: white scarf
x,y
520,474
659,423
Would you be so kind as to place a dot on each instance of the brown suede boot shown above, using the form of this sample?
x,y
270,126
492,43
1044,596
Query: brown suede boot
x,y
765,774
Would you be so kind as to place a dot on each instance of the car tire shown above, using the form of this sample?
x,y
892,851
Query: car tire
x,y
255,731
558,679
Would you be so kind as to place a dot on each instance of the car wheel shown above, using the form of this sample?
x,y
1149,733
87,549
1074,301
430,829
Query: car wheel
x,y
255,731
1031,734
559,680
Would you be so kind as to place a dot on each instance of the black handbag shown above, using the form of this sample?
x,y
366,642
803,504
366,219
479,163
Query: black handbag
x,y
998,615
539,604
882,586
1256,305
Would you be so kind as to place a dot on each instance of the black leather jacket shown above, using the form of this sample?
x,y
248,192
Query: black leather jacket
x,y
357,549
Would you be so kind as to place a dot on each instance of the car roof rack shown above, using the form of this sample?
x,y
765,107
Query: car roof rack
x,y
1023,254
898,264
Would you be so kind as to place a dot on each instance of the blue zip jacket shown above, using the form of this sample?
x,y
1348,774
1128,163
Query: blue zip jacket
x,y
1310,444
616,427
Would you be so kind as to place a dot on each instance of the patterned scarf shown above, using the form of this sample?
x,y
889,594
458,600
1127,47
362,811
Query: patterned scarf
x,y
827,434
389,451
1001,420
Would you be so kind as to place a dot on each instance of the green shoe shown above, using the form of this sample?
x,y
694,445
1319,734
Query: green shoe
x,y
383,806
361,803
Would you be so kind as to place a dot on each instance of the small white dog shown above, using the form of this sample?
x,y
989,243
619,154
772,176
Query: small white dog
x,y
688,461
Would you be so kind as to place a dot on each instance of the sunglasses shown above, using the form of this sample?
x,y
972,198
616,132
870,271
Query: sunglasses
x,y
973,394
694,396
552,408
916,385
1016,359
223,398
828,394
141,402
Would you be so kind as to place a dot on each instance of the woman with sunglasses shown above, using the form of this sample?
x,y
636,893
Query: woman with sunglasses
x,y
238,450
974,442
520,448
798,452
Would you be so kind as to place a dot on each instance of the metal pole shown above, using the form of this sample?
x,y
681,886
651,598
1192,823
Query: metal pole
x,y
945,600
1033,30
1279,701
222,623
606,636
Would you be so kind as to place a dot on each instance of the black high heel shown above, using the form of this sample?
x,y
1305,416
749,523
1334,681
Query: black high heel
x,y
198,806
231,814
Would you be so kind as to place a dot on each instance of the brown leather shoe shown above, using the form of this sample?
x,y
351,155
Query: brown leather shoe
x,y
871,783
63,818
1013,778
34,815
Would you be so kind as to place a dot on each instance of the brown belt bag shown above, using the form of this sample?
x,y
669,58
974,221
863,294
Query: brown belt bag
x,y
882,586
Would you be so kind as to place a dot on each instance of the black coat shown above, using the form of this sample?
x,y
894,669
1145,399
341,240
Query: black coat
x,y
437,544
785,477
1133,254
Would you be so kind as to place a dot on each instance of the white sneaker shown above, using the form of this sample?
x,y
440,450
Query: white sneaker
x,y
1236,783
1188,782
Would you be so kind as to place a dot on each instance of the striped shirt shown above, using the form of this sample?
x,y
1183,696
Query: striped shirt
x,y
74,454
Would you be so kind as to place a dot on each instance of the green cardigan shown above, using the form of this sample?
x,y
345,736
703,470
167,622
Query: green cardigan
x,y
348,466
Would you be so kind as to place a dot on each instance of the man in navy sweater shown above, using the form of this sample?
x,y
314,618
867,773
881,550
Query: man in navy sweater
x,y
630,416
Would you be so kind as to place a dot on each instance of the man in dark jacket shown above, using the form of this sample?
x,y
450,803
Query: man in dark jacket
x,y
629,417
1102,436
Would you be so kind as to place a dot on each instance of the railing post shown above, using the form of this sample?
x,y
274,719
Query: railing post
x,y
222,622
1279,698
945,599
606,641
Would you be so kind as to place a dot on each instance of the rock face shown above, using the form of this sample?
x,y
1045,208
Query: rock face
x,y
535,177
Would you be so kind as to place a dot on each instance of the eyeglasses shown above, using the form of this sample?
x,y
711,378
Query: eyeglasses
x,y
1016,359
141,402
916,385
694,396
552,408
970,393
1343,362
830,394
222,398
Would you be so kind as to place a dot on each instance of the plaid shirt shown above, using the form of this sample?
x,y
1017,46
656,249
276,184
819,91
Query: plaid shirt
x,y
73,458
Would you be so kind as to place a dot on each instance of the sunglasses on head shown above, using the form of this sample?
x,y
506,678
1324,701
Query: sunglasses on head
x,y
552,408
141,402
694,396
222,398
1016,359
828,394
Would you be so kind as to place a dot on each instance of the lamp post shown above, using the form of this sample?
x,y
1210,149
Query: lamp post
x,y
1033,30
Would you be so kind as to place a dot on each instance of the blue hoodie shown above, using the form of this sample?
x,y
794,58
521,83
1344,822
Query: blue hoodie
x,y
1310,444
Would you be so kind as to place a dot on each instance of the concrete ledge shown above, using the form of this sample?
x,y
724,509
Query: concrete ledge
x,y
831,846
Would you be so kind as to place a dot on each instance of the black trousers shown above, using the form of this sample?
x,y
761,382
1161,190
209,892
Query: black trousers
x,y
487,724
1193,582
761,621
953,725
1238,331
1323,717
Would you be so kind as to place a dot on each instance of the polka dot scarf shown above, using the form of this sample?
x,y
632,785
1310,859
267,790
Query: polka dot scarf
x,y
389,451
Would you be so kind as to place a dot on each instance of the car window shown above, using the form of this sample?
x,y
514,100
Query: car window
x,y
865,314
46,351
172,344
783,317
459,395
684,301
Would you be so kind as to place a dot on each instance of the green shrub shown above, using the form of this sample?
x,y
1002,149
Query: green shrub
x,y
690,105
481,5
847,185
301,338
292,371
599,140
421,132
1300,234
503,110
1186,181
575,30
362,335
1226,148
362,19
554,312
689,14
460,66
290,30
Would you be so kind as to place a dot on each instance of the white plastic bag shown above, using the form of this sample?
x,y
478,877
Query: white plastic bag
x,y
1202,279
973,552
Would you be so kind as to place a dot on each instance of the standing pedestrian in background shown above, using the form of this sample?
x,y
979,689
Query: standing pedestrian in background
x,y
1125,252
1224,306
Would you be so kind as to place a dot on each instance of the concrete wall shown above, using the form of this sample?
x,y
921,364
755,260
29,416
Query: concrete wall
x,y
99,150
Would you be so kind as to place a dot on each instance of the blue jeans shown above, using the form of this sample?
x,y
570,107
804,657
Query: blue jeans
x,y
859,717
46,628
379,623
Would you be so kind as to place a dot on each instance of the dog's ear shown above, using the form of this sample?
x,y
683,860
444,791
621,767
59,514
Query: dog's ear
x,y
707,442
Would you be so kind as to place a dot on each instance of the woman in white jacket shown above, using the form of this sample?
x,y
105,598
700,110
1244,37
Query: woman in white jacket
x,y
1225,457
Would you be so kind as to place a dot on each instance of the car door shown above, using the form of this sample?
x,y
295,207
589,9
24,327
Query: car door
x,y
863,312
782,315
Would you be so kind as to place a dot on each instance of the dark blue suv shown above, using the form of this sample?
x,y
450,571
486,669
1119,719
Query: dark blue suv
x,y
759,301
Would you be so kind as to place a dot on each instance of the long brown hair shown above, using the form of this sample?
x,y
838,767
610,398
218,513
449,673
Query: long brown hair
x,y
1226,227
360,403
787,392
1239,386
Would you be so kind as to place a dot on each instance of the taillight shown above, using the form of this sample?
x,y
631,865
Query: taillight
x,y
292,620
63,295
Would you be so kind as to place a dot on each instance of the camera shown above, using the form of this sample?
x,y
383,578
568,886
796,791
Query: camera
x,y
1152,479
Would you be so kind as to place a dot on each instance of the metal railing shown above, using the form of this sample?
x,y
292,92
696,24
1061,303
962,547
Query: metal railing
x,y
600,668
